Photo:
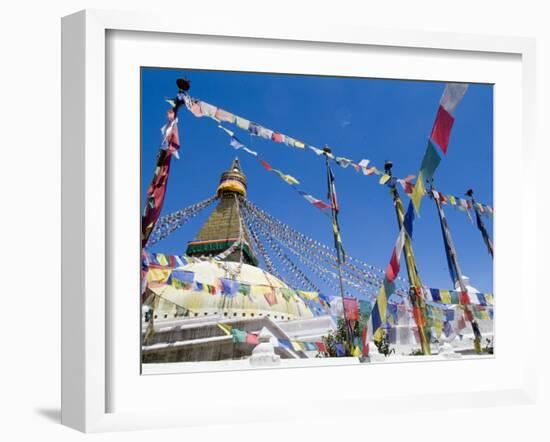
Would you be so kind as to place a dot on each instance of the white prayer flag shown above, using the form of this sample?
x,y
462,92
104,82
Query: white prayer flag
x,y
452,96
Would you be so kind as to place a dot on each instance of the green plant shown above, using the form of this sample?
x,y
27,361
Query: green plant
x,y
416,352
383,345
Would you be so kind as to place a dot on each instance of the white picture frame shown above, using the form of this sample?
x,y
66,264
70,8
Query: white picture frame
x,y
86,317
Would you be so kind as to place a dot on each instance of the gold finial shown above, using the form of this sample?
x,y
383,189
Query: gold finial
x,y
232,180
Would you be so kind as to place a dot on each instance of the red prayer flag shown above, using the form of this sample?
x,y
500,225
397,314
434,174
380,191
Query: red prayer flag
x,y
277,137
252,339
266,165
271,298
352,309
442,128
155,196
468,315
464,298
365,340
321,347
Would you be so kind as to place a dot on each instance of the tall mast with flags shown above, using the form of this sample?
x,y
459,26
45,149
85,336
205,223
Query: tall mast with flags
x,y
416,294
454,268
169,147
340,253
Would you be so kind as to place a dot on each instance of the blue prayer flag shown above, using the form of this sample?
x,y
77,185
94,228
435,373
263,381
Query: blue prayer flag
x,y
409,218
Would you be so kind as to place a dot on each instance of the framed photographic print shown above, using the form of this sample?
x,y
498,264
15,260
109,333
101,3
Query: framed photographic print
x,y
280,207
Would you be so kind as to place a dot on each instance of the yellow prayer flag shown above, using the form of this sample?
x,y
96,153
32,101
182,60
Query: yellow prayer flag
x,y
290,179
384,179
226,328
158,275
161,258
299,144
418,192
356,352
309,295
445,296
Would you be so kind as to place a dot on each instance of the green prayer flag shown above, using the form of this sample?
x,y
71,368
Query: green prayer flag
x,y
430,162
238,335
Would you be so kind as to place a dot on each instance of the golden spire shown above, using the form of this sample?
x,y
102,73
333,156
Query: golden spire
x,y
232,180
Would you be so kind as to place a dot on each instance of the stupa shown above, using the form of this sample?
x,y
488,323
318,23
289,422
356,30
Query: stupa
x,y
185,323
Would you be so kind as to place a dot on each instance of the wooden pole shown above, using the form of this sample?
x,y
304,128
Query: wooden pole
x,y
453,260
349,332
415,284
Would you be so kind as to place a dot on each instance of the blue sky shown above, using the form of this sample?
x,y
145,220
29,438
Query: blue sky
x,y
358,118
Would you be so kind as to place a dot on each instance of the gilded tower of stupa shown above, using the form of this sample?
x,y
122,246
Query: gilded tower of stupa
x,y
225,226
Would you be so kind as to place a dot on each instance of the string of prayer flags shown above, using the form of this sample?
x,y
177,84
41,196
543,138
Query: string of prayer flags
x,y
199,109
289,179
453,297
440,134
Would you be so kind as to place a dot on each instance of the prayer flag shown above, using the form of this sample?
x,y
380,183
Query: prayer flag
x,y
208,109
277,137
235,143
254,128
321,347
484,233
340,351
418,192
430,162
409,219
441,130
226,328
316,150
239,336
195,109
287,178
242,123
365,341
265,164
393,267
183,275
351,307
384,179
223,115
252,339
271,297
265,133
363,165
332,191
452,96
230,287
316,202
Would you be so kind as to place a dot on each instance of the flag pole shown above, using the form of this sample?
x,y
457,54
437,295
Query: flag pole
x,y
415,284
337,245
456,271
480,224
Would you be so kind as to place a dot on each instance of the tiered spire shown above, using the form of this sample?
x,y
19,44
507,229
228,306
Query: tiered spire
x,y
225,225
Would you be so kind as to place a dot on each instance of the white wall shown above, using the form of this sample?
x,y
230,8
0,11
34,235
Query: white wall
x,y
30,149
